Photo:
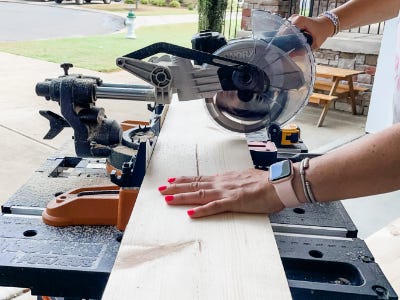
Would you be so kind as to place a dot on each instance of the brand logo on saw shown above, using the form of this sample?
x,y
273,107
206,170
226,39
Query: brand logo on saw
x,y
239,55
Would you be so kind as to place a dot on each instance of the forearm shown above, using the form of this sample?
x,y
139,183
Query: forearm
x,y
368,166
354,13
357,13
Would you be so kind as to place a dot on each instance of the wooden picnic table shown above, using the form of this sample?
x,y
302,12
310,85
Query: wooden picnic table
x,y
334,87
336,75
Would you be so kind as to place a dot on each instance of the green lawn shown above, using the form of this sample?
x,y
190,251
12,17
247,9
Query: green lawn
x,y
99,52
142,10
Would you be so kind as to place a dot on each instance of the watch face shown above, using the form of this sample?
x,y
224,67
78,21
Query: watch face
x,y
280,170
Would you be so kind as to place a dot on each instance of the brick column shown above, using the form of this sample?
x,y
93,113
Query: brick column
x,y
280,7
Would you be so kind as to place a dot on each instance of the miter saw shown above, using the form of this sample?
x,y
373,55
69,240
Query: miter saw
x,y
248,84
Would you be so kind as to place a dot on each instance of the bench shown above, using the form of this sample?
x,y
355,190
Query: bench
x,y
322,99
340,89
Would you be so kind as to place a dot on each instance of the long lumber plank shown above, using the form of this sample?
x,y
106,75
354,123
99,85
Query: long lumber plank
x,y
166,255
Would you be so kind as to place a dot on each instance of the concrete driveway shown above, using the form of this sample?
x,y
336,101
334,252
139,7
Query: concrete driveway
x,y
29,21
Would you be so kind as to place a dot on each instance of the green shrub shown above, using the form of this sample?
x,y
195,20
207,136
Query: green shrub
x,y
190,4
129,1
153,2
144,2
162,3
175,3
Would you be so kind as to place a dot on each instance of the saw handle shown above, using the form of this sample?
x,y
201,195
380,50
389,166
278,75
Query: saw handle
x,y
308,37
201,57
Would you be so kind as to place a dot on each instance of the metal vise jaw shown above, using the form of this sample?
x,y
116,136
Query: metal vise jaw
x,y
76,95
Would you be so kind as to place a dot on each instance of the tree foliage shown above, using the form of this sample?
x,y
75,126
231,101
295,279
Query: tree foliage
x,y
211,14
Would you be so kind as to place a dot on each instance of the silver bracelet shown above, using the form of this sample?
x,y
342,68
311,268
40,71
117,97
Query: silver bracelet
x,y
305,164
333,18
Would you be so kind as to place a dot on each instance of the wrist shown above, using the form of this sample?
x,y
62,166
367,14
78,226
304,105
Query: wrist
x,y
283,177
297,184
333,20
274,202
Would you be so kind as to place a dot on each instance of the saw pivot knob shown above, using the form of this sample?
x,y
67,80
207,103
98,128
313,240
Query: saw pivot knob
x,y
65,67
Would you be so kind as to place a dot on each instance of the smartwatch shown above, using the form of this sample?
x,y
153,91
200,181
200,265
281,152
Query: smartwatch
x,y
281,175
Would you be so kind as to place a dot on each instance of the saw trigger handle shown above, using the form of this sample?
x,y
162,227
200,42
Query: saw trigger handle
x,y
308,37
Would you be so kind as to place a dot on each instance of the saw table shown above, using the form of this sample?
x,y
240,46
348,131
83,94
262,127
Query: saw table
x,y
318,244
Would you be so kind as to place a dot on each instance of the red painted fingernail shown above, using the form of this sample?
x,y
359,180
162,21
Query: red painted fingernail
x,y
190,212
162,188
169,198
171,180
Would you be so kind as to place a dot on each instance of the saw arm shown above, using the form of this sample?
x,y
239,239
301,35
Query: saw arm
x,y
176,73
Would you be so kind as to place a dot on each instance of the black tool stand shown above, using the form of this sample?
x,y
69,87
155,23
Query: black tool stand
x,y
318,244
72,262
322,256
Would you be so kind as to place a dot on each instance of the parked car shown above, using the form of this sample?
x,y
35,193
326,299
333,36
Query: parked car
x,y
79,2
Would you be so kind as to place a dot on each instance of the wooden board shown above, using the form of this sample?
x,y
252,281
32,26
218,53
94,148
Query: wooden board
x,y
385,246
166,255
321,98
326,71
341,88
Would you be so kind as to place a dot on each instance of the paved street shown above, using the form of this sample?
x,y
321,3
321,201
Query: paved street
x,y
25,21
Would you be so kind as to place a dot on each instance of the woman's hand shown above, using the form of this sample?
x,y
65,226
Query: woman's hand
x,y
320,28
247,191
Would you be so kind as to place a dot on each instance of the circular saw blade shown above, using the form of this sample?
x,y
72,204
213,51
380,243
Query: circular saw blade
x,y
281,51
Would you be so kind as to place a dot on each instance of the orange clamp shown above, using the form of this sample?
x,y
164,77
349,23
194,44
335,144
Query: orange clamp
x,y
98,205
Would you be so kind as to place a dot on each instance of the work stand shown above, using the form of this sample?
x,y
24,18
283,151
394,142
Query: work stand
x,y
318,244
